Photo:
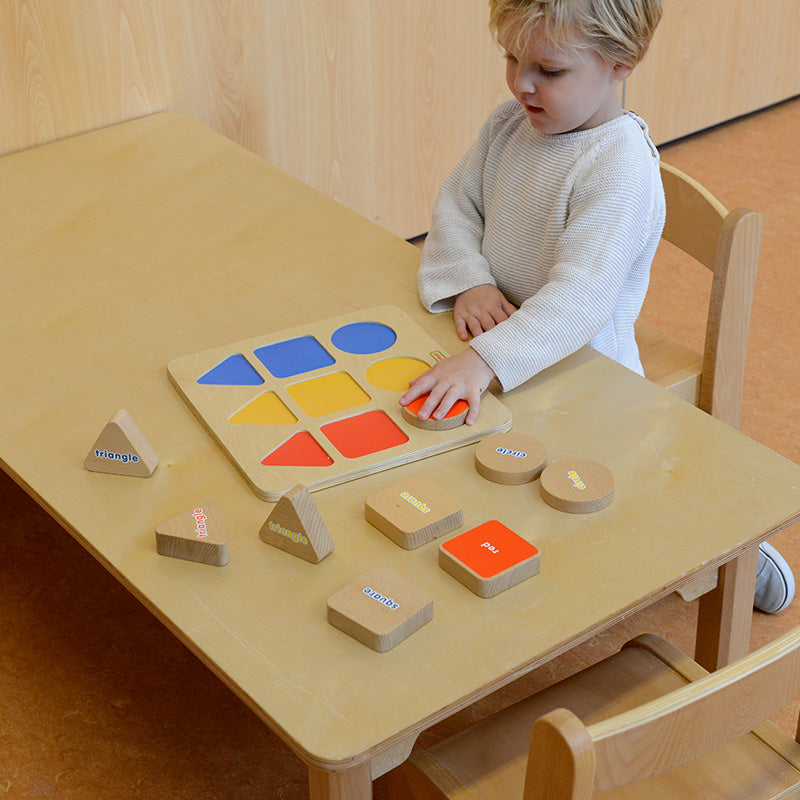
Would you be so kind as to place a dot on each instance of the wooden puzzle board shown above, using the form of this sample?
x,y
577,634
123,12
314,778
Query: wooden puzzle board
x,y
318,404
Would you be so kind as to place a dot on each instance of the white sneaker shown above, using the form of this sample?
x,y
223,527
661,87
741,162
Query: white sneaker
x,y
774,581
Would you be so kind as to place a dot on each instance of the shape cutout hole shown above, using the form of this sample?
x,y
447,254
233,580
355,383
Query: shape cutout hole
x,y
235,370
266,409
363,338
364,434
301,450
328,394
394,374
294,356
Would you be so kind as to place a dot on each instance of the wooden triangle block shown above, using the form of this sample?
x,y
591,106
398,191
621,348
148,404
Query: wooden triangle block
x,y
122,449
196,535
295,525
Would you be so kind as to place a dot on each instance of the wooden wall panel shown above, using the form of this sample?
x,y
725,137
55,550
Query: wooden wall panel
x,y
714,60
372,103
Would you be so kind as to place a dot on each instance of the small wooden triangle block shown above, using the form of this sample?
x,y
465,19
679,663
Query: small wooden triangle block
x,y
295,525
122,449
196,535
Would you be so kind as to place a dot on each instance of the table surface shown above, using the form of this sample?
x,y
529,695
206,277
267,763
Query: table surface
x,y
125,248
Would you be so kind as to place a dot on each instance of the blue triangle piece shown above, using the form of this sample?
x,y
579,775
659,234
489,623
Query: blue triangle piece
x,y
235,370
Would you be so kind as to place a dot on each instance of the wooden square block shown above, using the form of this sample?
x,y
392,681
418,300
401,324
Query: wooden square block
x,y
489,559
380,609
413,511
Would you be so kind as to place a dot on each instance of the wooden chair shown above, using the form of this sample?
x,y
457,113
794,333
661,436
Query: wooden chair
x,y
728,243
648,722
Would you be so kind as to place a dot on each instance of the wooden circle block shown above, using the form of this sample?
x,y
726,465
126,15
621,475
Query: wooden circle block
x,y
510,458
489,559
380,609
413,511
577,486
196,535
454,417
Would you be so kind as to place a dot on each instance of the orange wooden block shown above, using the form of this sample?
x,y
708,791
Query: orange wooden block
x,y
380,609
413,511
489,559
577,486
454,417
195,535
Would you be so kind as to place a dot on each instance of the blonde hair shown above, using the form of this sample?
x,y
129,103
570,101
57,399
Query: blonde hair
x,y
618,30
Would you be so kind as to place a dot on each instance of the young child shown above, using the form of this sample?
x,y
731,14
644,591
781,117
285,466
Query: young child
x,y
542,237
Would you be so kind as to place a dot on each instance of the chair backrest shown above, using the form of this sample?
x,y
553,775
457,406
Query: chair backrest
x,y
568,761
728,243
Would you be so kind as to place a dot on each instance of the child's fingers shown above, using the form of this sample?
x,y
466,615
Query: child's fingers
x,y
508,308
432,407
417,387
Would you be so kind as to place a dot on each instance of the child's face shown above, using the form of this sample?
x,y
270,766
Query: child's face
x,y
563,89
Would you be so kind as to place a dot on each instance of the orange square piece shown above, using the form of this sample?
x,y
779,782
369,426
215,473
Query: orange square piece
x,y
489,559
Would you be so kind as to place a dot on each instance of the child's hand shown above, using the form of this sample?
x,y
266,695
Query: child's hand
x,y
464,376
479,309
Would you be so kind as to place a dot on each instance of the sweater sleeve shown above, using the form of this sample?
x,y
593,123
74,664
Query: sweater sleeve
x,y
452,261
610,218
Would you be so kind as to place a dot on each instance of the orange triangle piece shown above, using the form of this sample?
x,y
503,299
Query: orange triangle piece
x,y
302,450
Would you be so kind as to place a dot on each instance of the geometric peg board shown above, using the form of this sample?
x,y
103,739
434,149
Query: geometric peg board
x,y
318,404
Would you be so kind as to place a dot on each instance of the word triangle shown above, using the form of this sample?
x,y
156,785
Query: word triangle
x,y
196,535
122,449
295,525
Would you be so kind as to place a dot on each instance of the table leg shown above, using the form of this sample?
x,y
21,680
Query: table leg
x,y
349,784
725,613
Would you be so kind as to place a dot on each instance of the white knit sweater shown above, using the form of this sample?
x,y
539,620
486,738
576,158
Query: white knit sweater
x,y
565,226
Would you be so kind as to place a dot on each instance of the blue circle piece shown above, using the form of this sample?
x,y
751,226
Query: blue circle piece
x,y
364,338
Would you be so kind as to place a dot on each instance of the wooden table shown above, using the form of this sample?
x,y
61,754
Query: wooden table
x,y
127,247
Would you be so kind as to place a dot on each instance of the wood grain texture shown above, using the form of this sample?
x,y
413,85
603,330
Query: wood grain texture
x,y
368,107
714,61
510,458
577,486
92,223
380,609
358,104
645,722
414,511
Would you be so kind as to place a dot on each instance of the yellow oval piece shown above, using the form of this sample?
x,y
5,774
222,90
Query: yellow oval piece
x,y
394,374
266,409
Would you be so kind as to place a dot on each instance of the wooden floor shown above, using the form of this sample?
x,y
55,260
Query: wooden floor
x,y
97,699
